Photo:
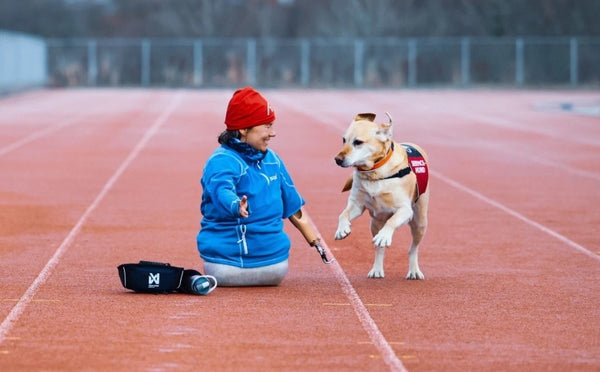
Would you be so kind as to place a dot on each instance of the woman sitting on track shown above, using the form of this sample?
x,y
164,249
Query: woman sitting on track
x,y
247,192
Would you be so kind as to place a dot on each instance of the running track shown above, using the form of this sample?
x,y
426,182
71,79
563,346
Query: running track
x,y
90,179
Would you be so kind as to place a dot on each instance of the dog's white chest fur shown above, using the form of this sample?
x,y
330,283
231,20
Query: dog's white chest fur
x,y
377,196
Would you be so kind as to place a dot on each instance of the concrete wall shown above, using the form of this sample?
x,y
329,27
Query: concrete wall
x,y
23,61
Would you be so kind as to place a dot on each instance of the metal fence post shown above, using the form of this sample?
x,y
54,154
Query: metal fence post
x,y
465,60
45,56
574,61
145,75
305,62
251,61
198,63
92,70
519,61
412,62
359,47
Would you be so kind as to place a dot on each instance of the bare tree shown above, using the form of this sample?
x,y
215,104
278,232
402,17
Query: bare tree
x,y
300,18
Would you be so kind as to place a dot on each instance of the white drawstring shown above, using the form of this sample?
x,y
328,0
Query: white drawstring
x,y
243,239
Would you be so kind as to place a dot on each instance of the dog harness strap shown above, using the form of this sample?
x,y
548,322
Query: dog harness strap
x,y
401,173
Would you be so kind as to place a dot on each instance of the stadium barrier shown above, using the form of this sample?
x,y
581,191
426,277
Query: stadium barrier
x,y
316,63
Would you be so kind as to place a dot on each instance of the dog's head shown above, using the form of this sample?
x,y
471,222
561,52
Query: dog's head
x,y
365,142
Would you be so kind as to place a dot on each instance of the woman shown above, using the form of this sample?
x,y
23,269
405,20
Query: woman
x,y
247,192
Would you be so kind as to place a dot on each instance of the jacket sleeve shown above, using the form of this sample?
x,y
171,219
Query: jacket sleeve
x,y
221,174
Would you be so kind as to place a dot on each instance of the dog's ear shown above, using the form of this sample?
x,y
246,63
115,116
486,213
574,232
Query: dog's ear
x,y
386,129
365,116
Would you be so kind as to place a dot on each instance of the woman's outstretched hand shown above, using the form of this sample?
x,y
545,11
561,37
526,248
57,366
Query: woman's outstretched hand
x,y
244,206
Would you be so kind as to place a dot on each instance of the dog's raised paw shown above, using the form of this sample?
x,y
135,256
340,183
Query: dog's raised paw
x,y
342,231
341,235
382,239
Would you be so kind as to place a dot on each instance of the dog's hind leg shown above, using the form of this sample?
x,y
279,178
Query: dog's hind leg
x,y
418,227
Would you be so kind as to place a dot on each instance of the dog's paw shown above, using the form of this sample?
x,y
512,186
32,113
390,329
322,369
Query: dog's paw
x,y
343,231
415,275
376,273
383,238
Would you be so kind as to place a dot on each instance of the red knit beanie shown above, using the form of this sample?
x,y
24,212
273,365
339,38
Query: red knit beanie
x,y
248,108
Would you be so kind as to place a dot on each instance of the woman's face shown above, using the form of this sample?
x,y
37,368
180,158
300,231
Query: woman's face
x,y
258,136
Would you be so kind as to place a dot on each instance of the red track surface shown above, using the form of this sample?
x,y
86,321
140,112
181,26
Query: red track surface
x,y
90,179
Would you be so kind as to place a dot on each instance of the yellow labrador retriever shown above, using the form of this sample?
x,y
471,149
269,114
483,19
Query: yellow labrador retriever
x,y
390,180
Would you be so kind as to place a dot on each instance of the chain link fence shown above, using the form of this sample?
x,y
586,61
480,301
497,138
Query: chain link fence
x,y
325,63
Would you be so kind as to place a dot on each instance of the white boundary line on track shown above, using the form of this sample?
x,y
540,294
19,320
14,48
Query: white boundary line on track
x,y
515,214
367,322
505,149
369,325
18,309
388,354
33,136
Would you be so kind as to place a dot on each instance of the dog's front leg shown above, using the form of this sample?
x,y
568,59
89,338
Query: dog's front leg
x,y
377,269
352,211
384,236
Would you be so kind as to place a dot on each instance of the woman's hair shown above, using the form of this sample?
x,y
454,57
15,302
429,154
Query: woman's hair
x,y
226,135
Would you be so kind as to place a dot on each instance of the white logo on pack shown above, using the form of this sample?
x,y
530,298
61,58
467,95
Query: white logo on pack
x,y
153,280
417,163
273,178
420,170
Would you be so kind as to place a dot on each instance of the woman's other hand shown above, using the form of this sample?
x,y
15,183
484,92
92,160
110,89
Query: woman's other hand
x,y
244,207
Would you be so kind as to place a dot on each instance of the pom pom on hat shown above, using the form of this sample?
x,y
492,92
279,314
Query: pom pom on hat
x,y
248,108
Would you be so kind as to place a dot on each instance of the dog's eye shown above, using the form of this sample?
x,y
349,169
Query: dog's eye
x,y
344,141
357,142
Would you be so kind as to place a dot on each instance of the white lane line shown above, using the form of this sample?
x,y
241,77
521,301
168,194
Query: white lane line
x,y
383,346
18,309
369,325
41,133
515,124
336,125
515,214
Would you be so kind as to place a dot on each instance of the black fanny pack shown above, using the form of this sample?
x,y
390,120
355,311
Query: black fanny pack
x,y
158,277
153,277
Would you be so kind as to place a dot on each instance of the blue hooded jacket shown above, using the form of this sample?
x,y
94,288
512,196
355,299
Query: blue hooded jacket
x,y
258,240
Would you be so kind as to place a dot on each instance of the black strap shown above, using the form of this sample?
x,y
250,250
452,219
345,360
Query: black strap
x,y
401,173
